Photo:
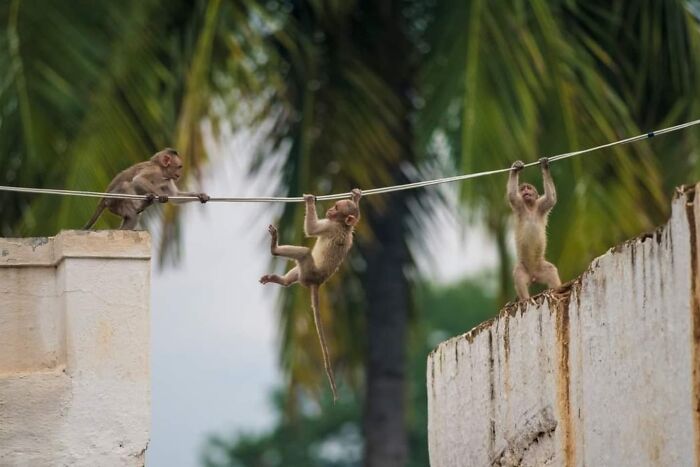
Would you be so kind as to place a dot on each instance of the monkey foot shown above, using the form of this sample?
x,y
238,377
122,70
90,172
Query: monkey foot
x,y
267,278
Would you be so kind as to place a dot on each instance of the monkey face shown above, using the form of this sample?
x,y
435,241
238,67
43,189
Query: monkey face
x,y
334,212
342,211
528,193
170,162
173,168
176,168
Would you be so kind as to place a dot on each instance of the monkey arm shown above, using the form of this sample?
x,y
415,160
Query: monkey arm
x,y
182,193
171,189
201,197
312,226
513,196
356,195
549,199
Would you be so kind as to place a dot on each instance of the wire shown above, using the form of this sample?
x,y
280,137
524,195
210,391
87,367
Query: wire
x,y
372,191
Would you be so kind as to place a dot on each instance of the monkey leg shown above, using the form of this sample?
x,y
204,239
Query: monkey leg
x,y
129,222
288,251
522,280
292,252
548,274
288,279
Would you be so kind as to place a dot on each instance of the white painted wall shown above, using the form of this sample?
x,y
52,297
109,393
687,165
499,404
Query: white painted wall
x,y
604,373
74,349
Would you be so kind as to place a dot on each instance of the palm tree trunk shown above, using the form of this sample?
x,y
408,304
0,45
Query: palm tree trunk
x,y
387,292
386,285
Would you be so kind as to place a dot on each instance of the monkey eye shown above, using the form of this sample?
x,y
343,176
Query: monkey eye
x,y
179,166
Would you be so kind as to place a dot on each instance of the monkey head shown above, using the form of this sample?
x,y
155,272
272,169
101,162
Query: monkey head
x,y
345,212
171,163
528,193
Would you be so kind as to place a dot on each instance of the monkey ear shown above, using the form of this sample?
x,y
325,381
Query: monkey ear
x,y
350,220
165,159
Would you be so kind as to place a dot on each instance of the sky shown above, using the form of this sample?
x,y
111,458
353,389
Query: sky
x,y
214,327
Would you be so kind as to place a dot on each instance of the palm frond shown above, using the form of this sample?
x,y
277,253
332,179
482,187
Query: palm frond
x,y
104,86
539,78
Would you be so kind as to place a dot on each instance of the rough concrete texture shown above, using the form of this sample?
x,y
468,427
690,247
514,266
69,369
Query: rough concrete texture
x,y
74,342
603,372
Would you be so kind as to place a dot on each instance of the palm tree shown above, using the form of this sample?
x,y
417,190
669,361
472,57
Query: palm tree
x,y
89,88
346,110
529,78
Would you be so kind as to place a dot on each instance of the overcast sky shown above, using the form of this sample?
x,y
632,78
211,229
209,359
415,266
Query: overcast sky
x,y
214,328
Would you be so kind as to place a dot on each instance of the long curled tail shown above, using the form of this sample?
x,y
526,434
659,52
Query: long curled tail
x,y
322,340
100,207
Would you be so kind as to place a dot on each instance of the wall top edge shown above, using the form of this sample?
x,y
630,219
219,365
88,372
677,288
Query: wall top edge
x,y
50,251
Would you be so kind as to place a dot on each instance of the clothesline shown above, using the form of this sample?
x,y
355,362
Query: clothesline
x,y
368,192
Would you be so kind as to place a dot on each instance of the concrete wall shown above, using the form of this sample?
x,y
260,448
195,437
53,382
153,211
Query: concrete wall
x,y
602,373
74,343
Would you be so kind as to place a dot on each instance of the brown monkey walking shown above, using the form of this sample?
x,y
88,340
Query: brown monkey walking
x,y
155,178
531,212
315,266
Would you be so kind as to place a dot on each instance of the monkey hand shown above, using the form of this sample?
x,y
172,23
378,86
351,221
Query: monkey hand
x,y
517,166
544,162
162,198
310,198
150,197
273,231
356,194
203,197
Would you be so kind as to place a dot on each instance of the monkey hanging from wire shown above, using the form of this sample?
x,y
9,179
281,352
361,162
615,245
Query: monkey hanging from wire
x,y
531,213
315,266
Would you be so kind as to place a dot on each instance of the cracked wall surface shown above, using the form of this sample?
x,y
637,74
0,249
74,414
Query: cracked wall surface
x,y
74,349
602,372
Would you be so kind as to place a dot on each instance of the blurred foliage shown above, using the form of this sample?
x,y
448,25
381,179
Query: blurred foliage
x,y
342,123
358,92
343,109
89,88
324,435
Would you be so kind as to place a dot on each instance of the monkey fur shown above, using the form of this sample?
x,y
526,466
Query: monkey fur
x,y
531,213
315,266
155,178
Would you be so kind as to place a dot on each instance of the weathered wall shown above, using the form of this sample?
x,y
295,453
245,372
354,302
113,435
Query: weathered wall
x,y
601,373
74,349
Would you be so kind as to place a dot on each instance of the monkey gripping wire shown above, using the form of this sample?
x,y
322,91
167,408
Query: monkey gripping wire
x,y
372,191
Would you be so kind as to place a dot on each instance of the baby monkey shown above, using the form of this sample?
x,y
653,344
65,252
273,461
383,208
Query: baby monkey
x,y
315,266
531,212
154,178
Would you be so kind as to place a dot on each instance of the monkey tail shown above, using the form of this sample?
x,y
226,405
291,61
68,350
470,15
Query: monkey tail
x,y
100,207
322,340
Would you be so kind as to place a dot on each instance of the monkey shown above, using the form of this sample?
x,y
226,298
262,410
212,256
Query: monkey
x,y
154,178
531,213
315,266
